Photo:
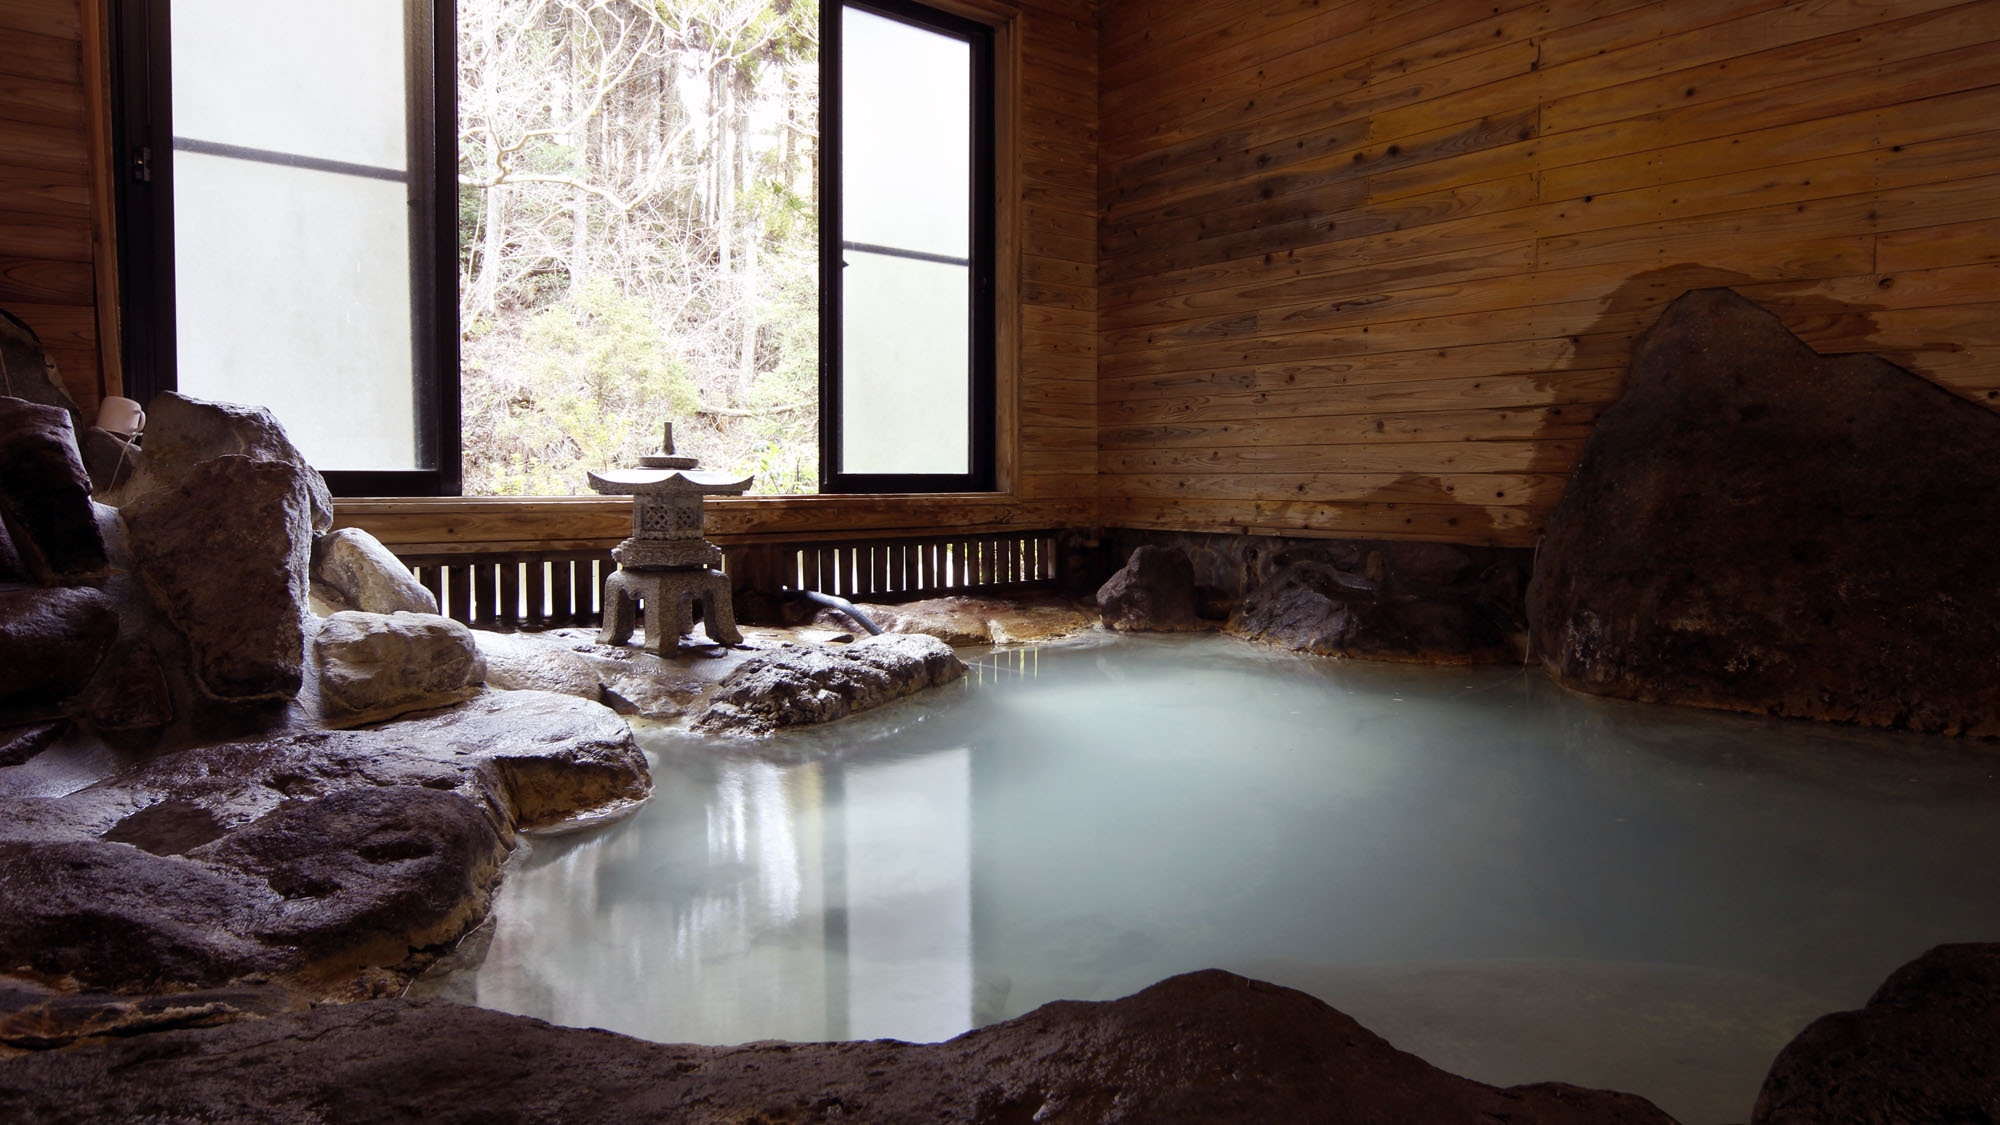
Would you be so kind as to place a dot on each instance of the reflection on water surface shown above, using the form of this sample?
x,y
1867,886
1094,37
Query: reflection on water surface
x,y
1516,882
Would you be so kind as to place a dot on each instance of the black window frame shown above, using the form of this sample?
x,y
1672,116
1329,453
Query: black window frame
x,y
143,139
983,358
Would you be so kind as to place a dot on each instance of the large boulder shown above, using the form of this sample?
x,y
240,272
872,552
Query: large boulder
x,y
538,662
45,494
1925,1049
51,642
225,553
375,666
351,569
182,432
1153,592
326,857
1433,602
1756,527
800,684
1206,1046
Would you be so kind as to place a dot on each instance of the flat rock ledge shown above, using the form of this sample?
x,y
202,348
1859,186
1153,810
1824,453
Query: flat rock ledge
x,y
1207,1046
329,864
801,684
970,620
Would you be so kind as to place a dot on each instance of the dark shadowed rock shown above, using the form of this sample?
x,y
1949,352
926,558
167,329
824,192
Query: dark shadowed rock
x,y
1759,528
1204,1047
107,457
18,744
1432,602
182,432
112,915
132,693
351,569
366,876
51,642
798,684
13,568
374,666
26,371
1154,592
1925,1050
225,555
45,494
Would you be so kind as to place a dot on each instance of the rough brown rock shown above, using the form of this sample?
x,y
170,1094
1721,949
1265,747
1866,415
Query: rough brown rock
x,y
798,684
375,666
315,855
1207,1047
351,569
182,432
51,642
1758,528
18,744
1926,1049
1405,601
45,494
225,554
1154,592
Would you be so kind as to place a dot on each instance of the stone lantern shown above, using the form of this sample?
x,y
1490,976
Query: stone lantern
x,y
666,564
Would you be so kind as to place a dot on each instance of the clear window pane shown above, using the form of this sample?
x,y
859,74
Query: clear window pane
x,y
905,396
292,291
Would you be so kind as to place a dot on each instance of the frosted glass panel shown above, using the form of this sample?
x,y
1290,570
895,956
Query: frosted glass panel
x,y
293,292
906,142
905,398
309,79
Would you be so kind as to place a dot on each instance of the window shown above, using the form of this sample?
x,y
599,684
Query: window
x,y
282,228
907,314
309,224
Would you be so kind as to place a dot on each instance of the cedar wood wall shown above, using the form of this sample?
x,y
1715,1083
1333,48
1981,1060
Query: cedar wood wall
x,y
1346,267
1372,268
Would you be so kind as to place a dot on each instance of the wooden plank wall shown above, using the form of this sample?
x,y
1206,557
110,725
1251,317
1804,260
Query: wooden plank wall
x,y
48,109
1371,267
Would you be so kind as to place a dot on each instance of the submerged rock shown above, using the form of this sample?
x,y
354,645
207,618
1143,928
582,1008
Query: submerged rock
x,y
1756,527
374,666
799,684
1925,1049
225,554
1154,592
1207,1046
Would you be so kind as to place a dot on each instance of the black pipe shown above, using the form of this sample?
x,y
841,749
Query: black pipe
x,y
841,604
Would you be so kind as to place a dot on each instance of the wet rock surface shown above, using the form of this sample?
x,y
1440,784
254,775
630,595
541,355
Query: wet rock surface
x,y
329,857
1154,592
374,666
974,620
1206,1046
1926,1048
351,569
45,494
1389,601
1756,527
799,684
225,555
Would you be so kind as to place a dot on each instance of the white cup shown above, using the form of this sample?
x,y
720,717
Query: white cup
x,y
121,416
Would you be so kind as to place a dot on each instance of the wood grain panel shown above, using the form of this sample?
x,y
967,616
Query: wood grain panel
x,y
1373,269
48,227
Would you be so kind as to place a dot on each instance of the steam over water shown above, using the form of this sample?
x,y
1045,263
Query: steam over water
x,y
1515,882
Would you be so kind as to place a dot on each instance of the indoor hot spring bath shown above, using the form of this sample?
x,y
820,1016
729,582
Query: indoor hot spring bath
x,y
1515,882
